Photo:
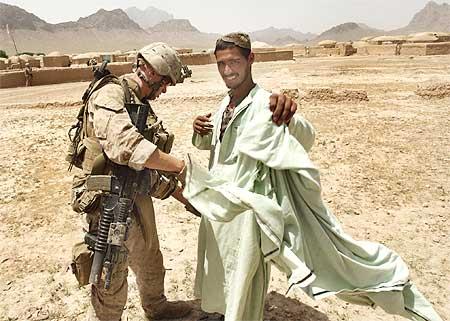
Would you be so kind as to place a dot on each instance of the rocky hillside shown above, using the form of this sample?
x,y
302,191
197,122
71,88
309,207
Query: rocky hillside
x,y
101,31
434,17
149,17
182,34
17,18
108,20
174,25
348,31
275,36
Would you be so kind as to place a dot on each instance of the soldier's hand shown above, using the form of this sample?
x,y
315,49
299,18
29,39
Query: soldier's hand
x,y
283,108
202,124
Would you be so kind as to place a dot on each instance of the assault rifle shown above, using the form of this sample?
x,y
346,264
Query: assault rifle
x,y
120,190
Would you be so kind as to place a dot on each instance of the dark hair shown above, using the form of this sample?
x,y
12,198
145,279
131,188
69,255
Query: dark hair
x,y
222,45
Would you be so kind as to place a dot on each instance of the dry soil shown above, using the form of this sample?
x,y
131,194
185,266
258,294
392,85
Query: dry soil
x,y
384,165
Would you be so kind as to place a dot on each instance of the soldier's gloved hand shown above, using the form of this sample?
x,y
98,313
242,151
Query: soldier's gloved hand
x,y
283,108
192,209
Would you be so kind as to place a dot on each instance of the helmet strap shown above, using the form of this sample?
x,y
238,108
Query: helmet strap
x,y
154,86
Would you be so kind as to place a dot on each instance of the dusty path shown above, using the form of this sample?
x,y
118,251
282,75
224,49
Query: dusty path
x,y
384,165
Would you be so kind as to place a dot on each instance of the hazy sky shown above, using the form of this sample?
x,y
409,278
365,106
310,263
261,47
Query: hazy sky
x,y
246,15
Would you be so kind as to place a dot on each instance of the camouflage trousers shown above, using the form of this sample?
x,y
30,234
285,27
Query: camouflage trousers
x,y
145,260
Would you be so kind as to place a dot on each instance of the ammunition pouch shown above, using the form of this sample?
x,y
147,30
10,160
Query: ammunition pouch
x,y
83,200
75,157
81,262
93,162
155,132
162,184
159,136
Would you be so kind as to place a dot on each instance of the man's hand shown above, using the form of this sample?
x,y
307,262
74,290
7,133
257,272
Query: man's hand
x,y
202,124
188,207
283,108
178,195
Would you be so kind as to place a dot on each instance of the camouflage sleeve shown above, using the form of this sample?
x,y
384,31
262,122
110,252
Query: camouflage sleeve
x,y
120,140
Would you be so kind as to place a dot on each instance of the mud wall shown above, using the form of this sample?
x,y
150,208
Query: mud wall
x,y
80,61
442,48
321,52
35,63
200,58
274,56
84,60
56,61
269,49
413,49
346,49
2,65
298,50
378,50
119,58
58,75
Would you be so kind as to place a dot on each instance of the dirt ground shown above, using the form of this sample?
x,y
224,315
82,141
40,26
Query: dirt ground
x,y
384,165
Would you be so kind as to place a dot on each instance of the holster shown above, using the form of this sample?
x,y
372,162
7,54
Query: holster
x,y
81,262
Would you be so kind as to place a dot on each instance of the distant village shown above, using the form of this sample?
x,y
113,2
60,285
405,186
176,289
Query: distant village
x,y
281,44
58,68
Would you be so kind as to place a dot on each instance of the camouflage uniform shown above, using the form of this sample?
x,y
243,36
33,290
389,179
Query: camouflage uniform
x,y
109,128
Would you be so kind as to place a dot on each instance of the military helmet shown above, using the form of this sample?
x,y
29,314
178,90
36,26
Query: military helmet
x,y
165,61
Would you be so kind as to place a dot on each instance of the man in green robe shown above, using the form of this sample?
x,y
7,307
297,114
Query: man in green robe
x,y
261,204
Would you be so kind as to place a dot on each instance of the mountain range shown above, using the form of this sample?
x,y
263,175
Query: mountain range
x,y
149,17
133,28
348,31
281,37
434,17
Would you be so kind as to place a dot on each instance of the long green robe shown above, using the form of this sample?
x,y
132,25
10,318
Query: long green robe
x,y
261,204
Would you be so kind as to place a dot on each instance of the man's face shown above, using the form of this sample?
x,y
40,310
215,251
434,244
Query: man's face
x,y
162,88
154,77
234,68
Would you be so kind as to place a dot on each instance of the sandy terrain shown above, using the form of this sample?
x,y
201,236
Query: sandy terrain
x,y
384,165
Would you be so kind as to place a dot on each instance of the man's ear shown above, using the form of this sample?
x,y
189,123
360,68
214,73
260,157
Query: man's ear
x,y
251,57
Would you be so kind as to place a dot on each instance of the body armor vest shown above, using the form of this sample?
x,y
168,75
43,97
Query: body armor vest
x,y
85,151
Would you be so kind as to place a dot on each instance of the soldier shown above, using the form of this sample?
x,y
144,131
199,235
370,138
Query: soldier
x,y
107,129
28,74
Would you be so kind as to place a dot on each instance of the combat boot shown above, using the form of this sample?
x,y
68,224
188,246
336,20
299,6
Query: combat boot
x,y
171,310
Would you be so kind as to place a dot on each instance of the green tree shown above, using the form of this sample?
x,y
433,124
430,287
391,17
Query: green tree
x,y
3,54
